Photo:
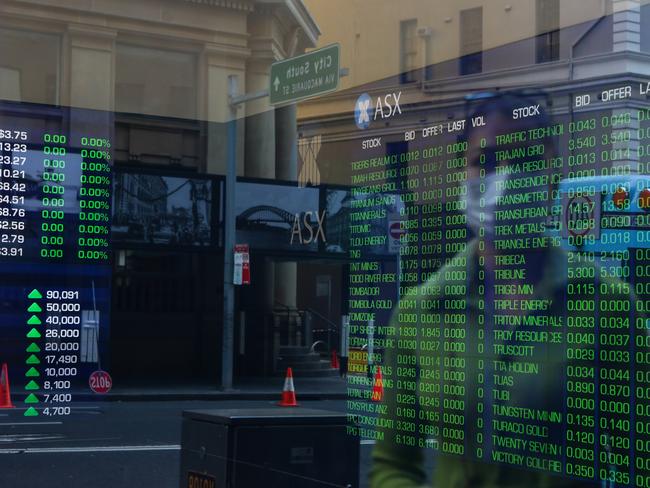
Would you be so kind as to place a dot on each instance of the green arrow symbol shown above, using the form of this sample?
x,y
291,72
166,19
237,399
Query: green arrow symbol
x,y
32,385
33,360
34,308
33,347
34,320
34,295
34,334
31,412
32,373
31,398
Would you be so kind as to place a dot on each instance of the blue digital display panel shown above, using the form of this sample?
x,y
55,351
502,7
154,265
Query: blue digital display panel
x,y
55,221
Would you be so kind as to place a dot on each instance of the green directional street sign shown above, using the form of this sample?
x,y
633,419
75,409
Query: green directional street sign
x,y
305,76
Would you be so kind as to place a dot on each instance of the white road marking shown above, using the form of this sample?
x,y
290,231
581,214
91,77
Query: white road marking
x,y
64,450
43,450
29,437
31,423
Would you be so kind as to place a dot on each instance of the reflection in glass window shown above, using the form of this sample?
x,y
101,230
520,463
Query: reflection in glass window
x,y
471,41
548,31
29,66
154,81
408,49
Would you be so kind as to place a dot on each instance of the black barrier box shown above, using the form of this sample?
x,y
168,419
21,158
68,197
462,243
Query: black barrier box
x,y
268,448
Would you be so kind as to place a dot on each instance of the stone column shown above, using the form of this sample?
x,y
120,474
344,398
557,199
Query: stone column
x,y
286,168
627,38
627,25
91,63
286,151
260,123
89,78
286,283
220,63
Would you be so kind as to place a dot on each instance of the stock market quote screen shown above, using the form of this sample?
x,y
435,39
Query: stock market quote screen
x,y
55,209
500,284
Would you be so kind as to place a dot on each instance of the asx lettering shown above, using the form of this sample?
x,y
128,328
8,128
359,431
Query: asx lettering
x,y
312,230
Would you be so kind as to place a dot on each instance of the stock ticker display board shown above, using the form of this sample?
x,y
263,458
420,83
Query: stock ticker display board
x,y
506,321
55,210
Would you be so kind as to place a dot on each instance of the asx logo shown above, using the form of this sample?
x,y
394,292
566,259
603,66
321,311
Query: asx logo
x,y
313,225
383,108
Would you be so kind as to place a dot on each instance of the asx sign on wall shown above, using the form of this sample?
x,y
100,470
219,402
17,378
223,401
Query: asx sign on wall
x,y
308,227
366,110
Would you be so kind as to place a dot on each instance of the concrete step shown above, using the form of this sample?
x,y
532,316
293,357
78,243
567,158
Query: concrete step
x,y
302,366
321,373
293,351
302,359
304,363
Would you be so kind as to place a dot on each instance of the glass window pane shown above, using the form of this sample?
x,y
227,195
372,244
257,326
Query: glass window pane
x,y
29,66
155,81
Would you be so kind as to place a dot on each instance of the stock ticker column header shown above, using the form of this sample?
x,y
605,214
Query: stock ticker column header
x,y
498,283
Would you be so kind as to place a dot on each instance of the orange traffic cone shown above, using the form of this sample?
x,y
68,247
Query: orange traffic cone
x,y
378,386
334,362
5,394
288,392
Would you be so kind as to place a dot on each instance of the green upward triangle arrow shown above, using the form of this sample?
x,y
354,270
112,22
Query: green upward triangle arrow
x,y
31,412
32,385
34,295
34,334
34,320
32,373
33,360
33,347
34,308
31,398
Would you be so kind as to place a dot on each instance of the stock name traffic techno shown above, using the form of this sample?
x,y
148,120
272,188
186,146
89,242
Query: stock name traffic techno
x,y
55,208
505,319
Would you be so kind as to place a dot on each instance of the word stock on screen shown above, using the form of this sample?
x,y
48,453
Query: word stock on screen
x,y
55,208
500,282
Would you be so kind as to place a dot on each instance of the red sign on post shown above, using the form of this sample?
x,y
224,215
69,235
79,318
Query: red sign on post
x,y
395,229
242,268
100,382
395,232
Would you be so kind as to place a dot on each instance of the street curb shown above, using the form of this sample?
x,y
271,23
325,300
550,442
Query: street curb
x,y
211,396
